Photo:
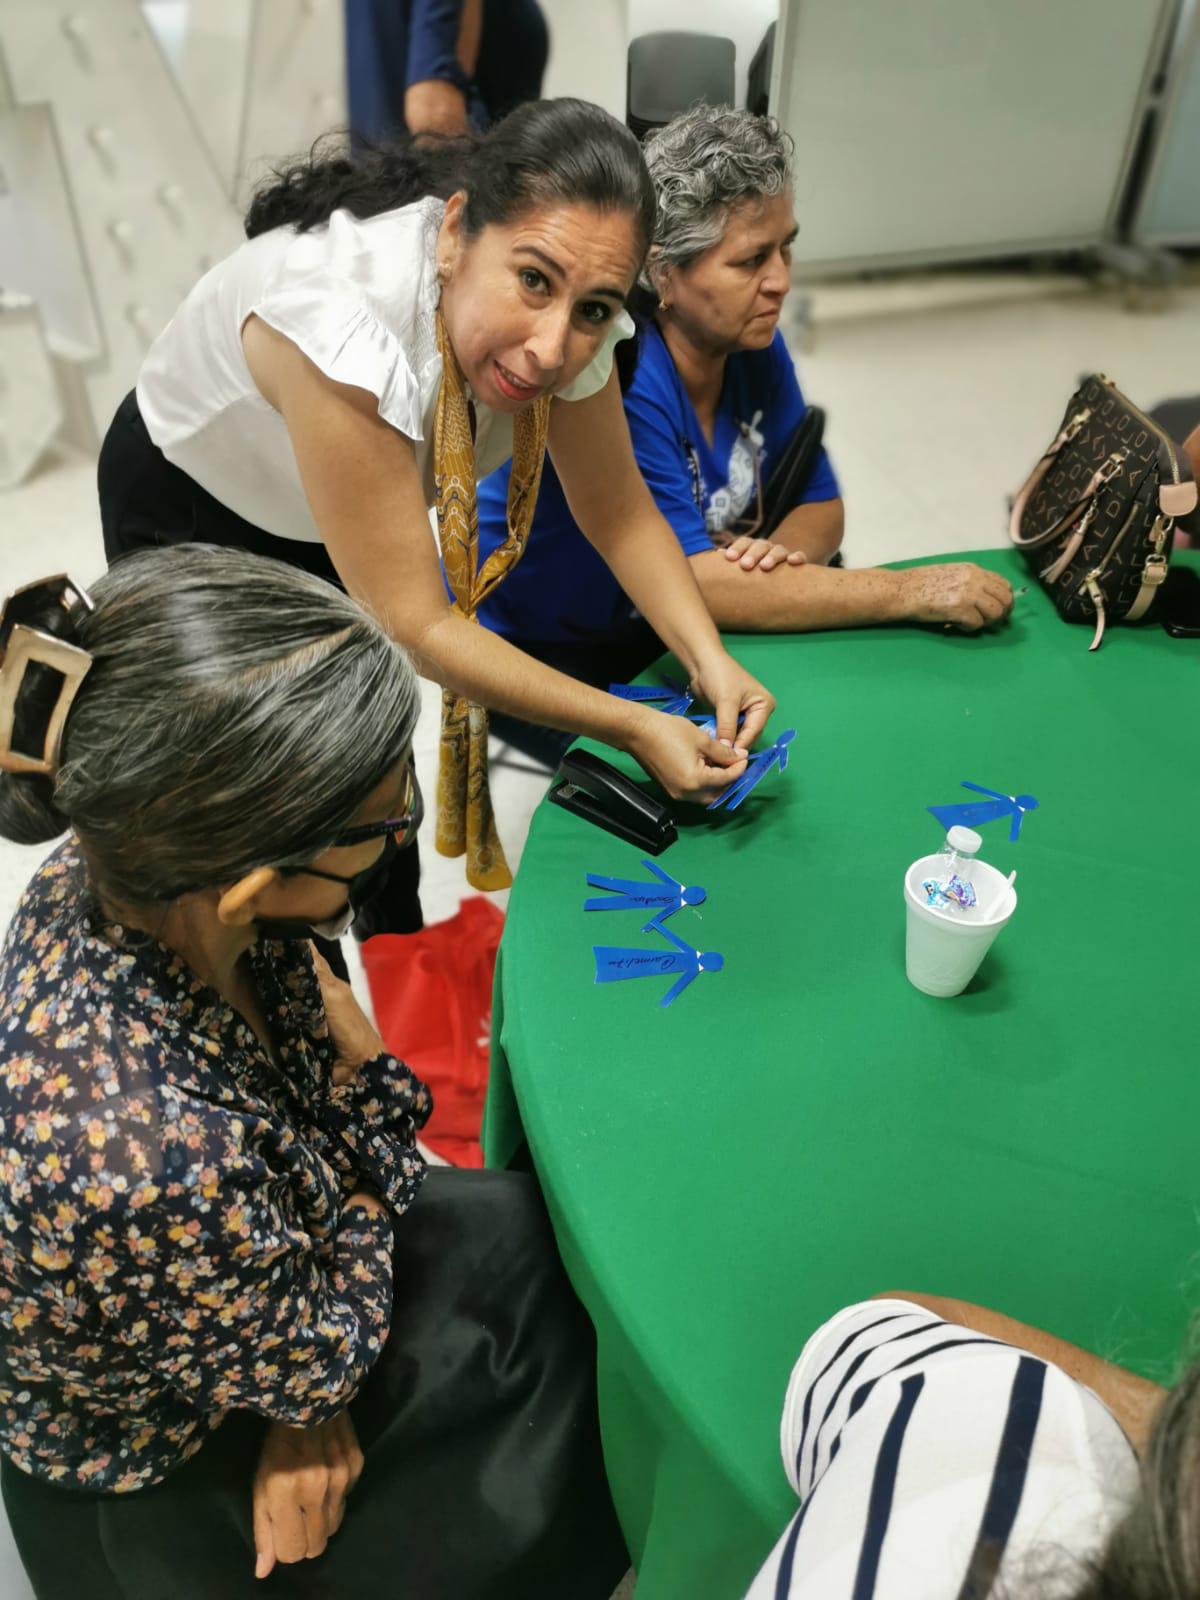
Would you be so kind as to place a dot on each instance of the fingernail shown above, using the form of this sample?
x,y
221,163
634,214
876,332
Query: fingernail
x,y
738,750
728,743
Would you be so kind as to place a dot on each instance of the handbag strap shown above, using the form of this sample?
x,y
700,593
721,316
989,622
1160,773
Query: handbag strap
x,y
1080,514
1065,434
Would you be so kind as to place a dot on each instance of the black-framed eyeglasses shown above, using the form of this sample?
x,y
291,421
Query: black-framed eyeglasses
x,y
397,832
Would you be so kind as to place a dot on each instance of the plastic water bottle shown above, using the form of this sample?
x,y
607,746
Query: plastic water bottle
x,y
952,889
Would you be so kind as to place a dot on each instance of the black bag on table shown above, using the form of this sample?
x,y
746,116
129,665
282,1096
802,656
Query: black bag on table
x,y
1096,516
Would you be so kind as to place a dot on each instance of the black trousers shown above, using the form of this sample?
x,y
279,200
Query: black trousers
x,y
147,503
483,1477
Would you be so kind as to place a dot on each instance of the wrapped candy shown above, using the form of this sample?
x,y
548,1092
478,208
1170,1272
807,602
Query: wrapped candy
x,y
951,894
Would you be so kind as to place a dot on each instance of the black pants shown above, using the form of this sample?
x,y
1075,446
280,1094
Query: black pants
x,y
147,503
483,1478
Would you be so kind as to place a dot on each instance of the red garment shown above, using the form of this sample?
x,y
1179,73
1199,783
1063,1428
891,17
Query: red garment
x,y
432,993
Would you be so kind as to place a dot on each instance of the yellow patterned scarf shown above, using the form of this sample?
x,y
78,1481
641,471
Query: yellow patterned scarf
x,y
464,806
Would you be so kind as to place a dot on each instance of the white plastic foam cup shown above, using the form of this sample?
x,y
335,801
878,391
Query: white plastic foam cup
x,y
944,949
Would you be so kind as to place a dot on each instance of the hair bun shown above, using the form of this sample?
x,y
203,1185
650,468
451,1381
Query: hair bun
x,y
41,671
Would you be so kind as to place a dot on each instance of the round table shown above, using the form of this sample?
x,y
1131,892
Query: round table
x,y
804,1129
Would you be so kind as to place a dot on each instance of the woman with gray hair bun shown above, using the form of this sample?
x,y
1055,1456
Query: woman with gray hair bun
x,y
712,408
208,1157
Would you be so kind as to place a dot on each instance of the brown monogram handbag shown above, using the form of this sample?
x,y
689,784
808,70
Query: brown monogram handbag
x,y
1096,516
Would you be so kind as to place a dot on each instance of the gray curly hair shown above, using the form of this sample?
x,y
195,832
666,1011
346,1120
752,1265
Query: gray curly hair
x,y
702,163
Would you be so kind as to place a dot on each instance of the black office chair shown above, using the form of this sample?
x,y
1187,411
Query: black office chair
x,y
758,83
668,72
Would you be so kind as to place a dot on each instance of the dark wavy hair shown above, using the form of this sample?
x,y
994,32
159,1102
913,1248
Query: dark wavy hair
x,y
236,714
548,152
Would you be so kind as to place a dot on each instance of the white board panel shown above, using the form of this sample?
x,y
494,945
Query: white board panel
x,y
1169,208
41,253
960,129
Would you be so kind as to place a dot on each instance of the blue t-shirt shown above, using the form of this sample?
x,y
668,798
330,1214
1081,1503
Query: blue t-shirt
x,y
561,589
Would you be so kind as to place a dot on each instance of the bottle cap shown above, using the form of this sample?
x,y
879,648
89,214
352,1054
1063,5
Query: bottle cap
x,y
965,840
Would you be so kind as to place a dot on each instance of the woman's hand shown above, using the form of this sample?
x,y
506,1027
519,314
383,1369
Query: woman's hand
x,y
734,694
354,1036
958,594
750,553
682,758
300,1487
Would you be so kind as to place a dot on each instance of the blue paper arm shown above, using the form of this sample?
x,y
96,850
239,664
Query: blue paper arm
x,y
679,986
732,797
597,880
979,789
655,925
664,877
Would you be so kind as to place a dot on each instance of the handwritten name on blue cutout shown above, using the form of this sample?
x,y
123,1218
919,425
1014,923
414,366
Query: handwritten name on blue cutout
x,y
673,698
664,896
615,963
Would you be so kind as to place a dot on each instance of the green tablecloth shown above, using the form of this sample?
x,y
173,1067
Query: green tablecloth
x,y
804,1128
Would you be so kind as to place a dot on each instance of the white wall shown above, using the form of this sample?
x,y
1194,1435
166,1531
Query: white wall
x,y
588,42
589,39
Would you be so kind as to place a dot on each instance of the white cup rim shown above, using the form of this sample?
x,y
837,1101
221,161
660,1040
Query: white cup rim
x,y
922,869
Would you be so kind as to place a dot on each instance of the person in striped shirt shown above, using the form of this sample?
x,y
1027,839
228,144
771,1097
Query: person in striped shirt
x,y
942,1451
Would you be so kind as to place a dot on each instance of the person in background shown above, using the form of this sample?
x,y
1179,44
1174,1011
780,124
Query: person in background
x,y
244,1333
942,1451
440,66
711,407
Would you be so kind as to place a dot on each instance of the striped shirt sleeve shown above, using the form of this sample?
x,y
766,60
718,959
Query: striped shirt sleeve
x,y
926,1455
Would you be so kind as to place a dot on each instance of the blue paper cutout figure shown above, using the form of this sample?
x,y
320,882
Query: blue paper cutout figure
x,y
675,699
974,814
664,898
709,722
761,762
615,963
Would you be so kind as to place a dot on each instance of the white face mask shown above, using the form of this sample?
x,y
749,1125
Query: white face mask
x,y
295,928
335,927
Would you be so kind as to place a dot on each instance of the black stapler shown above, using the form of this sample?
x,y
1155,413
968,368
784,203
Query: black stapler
x,y
598,793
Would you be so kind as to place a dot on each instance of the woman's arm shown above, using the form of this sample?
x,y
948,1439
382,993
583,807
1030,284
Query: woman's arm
x,y
1132,1400
789,599
361,480
589,443
258,1321
443,48
815,528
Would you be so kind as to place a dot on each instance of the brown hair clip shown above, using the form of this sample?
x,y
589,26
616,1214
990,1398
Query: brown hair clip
x,y
23,643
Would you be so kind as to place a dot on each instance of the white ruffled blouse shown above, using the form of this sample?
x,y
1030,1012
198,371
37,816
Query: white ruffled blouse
x,y
358,297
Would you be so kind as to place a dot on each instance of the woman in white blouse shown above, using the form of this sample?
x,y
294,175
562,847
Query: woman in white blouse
x,y
317,393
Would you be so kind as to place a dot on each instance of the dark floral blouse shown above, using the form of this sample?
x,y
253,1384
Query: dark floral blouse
x,y
173,1242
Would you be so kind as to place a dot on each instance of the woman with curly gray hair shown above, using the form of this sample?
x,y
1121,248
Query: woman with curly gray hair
x,y
712,408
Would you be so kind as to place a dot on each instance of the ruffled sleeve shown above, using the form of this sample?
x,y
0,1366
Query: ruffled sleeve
x,y
595,375
358,298
349,345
